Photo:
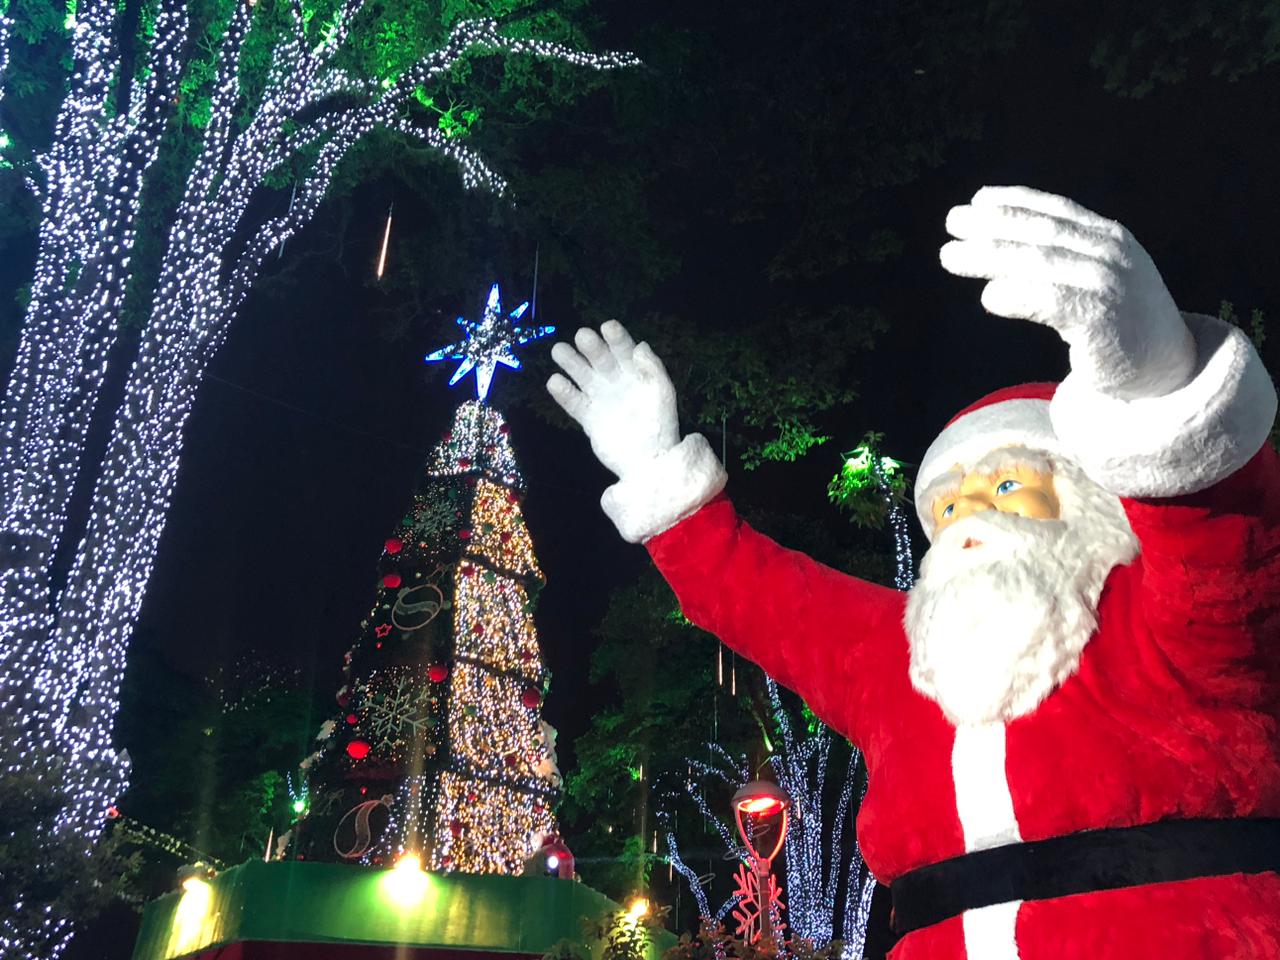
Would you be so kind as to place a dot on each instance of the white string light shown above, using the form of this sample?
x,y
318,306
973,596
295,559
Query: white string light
x,y
819,857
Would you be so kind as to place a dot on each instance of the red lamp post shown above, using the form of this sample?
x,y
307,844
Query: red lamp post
x,y
760,800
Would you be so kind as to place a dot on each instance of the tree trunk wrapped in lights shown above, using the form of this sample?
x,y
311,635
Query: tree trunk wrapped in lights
x,y
88,183
437,747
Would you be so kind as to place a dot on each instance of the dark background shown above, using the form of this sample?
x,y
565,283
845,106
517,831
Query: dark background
x,y
318,411
302,450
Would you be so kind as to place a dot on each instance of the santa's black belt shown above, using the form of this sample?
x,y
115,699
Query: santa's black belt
x,y
1084,862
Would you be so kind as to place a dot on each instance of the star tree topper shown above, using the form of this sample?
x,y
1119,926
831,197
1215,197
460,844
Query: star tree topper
x,y
488,342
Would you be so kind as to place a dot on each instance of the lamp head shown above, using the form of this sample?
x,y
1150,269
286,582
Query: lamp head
x,y
761,798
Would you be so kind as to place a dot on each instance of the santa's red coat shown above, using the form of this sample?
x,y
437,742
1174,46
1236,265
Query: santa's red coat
x,y
1173,713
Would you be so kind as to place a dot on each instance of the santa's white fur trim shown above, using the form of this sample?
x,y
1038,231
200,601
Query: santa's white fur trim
x,y
1023,422
990,933
983,800
670,487
1181,442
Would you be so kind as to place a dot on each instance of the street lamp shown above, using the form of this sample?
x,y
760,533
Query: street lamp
x,y
760,800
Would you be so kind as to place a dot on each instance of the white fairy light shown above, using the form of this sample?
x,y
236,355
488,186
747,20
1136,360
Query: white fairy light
x,y
819,856
61,661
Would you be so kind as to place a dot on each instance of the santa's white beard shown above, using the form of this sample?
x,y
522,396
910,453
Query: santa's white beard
x,y
995,628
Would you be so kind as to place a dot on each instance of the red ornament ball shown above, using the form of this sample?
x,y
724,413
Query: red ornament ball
x,y
464,534
511,759
504,429
512,497
531,698
357,749
505,536
455,827
352,719
437,673
464,463
343,697
467,570
394,545
473,797
391,580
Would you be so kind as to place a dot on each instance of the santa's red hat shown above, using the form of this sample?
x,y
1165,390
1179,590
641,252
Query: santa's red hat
x,y
1013,416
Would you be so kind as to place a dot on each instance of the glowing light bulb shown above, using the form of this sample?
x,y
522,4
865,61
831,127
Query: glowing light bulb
x,y
406,883
639,907
194,884
553,862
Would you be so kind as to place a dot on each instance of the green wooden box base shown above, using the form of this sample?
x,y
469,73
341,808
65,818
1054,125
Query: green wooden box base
x,y
257,905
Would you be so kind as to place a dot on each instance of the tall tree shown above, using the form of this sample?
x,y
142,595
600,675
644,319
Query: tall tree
x,y
283,99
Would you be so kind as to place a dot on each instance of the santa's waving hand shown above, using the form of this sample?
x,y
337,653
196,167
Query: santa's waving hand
x,y
1071,719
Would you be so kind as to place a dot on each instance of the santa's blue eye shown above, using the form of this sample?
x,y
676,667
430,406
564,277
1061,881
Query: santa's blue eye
x,y
1007,486
949,510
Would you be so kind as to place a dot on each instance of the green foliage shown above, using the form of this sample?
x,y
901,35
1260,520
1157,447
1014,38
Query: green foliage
x,y
1257,328
713,942
658,673
617,936
41,867
754,386
211,757
1144,45
624,937
867,483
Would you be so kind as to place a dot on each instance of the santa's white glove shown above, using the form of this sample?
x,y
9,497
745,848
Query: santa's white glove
x,y
1052,261
621,395
623,399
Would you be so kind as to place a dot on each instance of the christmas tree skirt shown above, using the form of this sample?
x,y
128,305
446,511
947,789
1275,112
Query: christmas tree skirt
x,y
289,910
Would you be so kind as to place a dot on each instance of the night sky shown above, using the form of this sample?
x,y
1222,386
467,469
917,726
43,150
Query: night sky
x,y
303,448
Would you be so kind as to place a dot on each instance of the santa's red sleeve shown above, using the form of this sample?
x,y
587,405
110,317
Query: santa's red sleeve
x,y
819,632
1201,487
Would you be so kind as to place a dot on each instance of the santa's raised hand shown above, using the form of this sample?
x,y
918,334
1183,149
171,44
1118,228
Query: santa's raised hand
x,y
1050,260
619,393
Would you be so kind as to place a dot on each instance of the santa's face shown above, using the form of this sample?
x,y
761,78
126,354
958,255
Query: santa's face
x,y
1010,485
1007,595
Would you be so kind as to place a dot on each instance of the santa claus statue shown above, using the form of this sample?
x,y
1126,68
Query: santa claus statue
x,y
1071,720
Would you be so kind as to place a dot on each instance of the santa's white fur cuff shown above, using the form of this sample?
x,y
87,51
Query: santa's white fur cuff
x,y
664,491
1183,441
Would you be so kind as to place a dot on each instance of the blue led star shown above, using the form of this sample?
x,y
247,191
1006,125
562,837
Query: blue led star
x,y
490,341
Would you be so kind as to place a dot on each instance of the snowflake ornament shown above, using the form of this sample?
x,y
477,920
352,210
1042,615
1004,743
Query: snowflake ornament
x,y
397,709
488,342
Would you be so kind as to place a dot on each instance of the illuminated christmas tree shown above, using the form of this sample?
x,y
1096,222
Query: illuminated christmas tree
x,y
439,748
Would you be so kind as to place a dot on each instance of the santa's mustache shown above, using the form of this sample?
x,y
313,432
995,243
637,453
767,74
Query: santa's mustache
x,y
990,535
